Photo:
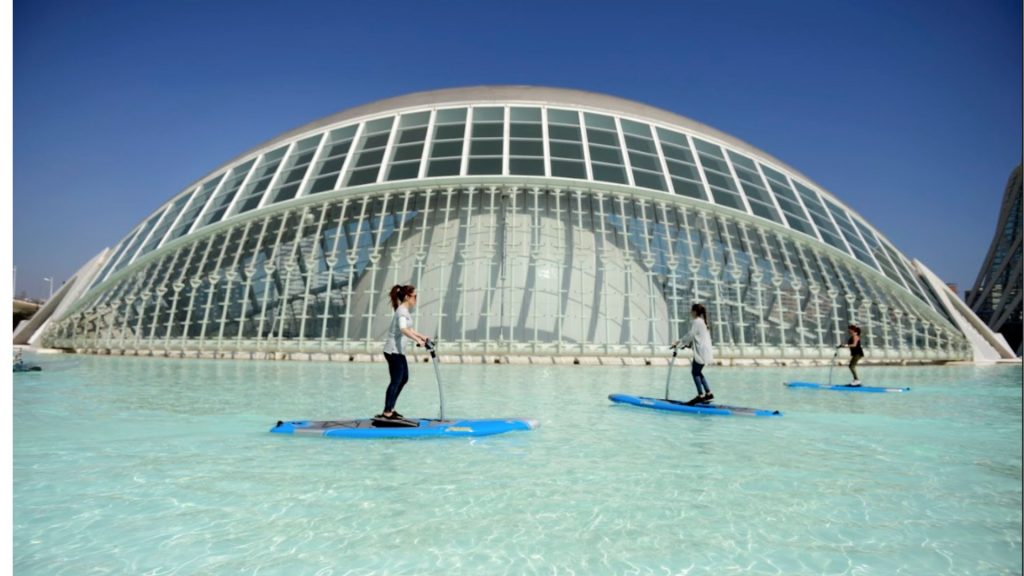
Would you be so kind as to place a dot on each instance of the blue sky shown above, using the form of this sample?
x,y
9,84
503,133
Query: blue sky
x,y
909,111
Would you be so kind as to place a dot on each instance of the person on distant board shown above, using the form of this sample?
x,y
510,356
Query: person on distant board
x,y
856,351
699,337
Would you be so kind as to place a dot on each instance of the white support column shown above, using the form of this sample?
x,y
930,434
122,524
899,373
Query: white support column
x,y
534,251
250,271
352,258
715,271
290,266
446,249
375,256
312,263
652,283
213,278
561,257
230,274
492,264
269,269
195,282
332,263
580,278
508,288
473,280
602,268
422,250
736,273
627,269
673,265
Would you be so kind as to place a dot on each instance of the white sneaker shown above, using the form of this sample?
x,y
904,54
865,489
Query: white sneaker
x,y
856,382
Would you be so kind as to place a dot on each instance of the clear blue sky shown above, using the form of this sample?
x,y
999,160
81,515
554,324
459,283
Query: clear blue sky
x,y
909,111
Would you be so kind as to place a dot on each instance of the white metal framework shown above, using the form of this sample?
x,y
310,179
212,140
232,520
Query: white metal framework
x,y
532,220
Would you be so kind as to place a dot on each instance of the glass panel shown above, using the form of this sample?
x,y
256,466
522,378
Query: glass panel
x,y
190,214
415,119
486,147
332,159
484,166
567,133
259,181
295,169
161,229
860,250
753,186
221,202
405,159
488,114
570,117
606,173
446,149
828,231
635,128
526,166
451,116
450,149
568,169
370,152
525,115
487,144
444,167
788,201
566,150
648,180
599,121
526,148
689,188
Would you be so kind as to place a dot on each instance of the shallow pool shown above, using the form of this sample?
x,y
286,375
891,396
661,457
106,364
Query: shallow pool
x,y
155,466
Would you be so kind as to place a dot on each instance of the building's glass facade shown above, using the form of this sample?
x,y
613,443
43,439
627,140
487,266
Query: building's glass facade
x,y
533,221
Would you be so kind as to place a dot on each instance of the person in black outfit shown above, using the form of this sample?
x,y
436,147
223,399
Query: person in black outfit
x,y
856,351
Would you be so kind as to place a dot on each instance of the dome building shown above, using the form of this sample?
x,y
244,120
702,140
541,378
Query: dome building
x,y
533,221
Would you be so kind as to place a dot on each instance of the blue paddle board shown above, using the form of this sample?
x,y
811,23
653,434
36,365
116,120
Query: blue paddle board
x,y
843,387
677,406
405,428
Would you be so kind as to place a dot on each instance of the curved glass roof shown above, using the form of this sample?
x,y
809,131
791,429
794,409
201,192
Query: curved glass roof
x,y
511,132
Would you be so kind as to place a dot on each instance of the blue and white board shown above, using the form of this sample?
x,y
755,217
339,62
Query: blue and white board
x,y
843,387
676,406
416,428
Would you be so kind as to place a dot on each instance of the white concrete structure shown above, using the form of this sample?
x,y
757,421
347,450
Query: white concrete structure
x,y
534,222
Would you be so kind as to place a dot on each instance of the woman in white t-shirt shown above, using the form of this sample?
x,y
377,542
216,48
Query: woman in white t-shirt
x,y
403,298
699,337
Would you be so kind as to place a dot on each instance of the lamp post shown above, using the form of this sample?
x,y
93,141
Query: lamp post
x,y
50,280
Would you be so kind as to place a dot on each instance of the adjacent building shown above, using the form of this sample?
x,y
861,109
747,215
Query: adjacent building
x,y
996,294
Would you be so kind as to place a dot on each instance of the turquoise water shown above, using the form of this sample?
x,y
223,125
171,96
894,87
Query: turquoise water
x,y
155,466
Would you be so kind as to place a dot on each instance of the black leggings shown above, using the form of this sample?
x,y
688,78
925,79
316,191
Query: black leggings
x,y
398,367
853,365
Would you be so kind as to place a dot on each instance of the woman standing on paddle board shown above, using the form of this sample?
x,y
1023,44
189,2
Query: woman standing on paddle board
x,y
699,337
856,351
403,299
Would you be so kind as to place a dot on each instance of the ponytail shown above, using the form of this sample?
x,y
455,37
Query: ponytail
x,y
702,312
399,293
